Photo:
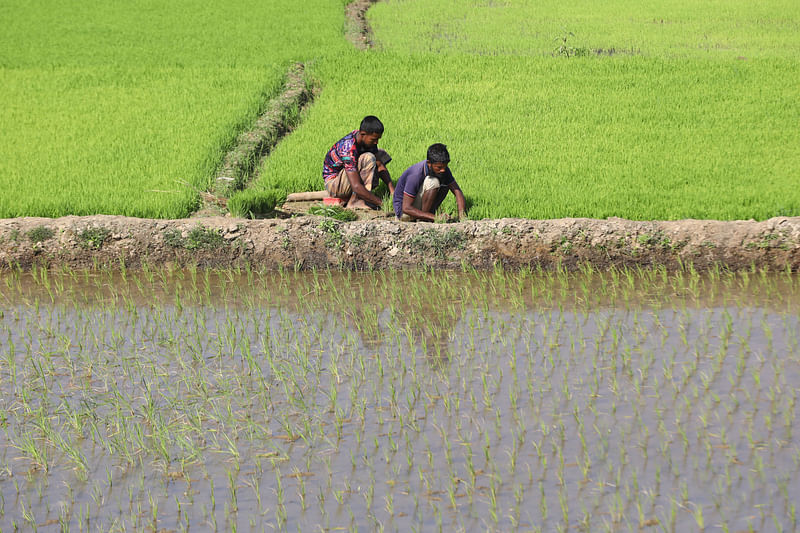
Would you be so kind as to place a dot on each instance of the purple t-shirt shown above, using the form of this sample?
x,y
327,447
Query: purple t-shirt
x,y
410,184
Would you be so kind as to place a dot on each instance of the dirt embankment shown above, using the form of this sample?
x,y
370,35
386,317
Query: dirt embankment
x,y
315,242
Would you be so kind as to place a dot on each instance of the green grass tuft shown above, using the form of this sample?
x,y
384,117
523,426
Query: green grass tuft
x,y
40,234
253,202
333,211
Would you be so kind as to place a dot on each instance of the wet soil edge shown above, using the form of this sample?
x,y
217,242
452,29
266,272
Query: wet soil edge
x,y
310,242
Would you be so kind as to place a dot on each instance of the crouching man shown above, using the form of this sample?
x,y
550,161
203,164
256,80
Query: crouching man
x,y
423,187
354,164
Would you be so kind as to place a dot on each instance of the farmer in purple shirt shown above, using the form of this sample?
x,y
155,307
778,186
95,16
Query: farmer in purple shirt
x,y
423,187
353,165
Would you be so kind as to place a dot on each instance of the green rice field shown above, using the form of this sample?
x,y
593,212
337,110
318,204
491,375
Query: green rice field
x,y
628,109
632,137
239,400
128,107
640,111
719,29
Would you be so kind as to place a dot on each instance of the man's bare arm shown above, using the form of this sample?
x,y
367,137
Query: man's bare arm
x,y
358,188
383,174
461,202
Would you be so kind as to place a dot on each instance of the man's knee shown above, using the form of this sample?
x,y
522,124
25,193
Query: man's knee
x,y
366,160
430,184
368,170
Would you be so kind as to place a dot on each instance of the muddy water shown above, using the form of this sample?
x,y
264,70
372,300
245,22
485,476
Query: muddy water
x,y
456,402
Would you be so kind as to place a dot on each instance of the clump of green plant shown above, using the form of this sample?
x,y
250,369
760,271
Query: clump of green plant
x,y
333,211
202,237
198,238
565,246
769,240
253,202
93,237
173,238
437,241
658,239
566,49
40,234
333,236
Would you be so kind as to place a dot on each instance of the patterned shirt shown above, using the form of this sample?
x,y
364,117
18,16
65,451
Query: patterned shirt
x,y
342,155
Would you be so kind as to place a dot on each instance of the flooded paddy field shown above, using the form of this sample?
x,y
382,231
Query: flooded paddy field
x,y
195,399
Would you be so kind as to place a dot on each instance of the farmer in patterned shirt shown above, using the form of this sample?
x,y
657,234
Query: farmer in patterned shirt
x,y
423,187
353,165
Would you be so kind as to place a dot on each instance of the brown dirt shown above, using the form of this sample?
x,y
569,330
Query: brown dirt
x,y
307,242
357,29
290,209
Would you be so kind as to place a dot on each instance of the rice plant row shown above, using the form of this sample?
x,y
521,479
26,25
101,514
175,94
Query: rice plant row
x,y
533,401
127,108
576,109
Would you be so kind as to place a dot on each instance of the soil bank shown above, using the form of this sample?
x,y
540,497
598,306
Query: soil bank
x,y
307,242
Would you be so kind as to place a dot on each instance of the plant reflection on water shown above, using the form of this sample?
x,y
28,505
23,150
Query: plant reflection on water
x,y
181,399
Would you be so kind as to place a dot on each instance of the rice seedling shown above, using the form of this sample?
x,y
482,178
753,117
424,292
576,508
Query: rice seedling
x,y
667,400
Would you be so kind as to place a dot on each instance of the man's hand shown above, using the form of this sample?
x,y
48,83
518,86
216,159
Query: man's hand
x,y
383,174
442,218
462,215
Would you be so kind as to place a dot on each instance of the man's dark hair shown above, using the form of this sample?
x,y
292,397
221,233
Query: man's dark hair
x,y
371,124
437,153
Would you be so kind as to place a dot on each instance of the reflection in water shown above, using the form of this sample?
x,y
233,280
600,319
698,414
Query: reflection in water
x,y
534,401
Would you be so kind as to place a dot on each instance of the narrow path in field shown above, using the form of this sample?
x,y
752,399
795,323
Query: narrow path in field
x,y
357,28
358,32
240,165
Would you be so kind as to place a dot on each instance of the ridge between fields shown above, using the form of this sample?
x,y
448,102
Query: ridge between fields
x,y
357,30
240,164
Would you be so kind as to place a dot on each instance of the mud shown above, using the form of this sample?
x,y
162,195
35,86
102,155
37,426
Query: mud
x,y
310,242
